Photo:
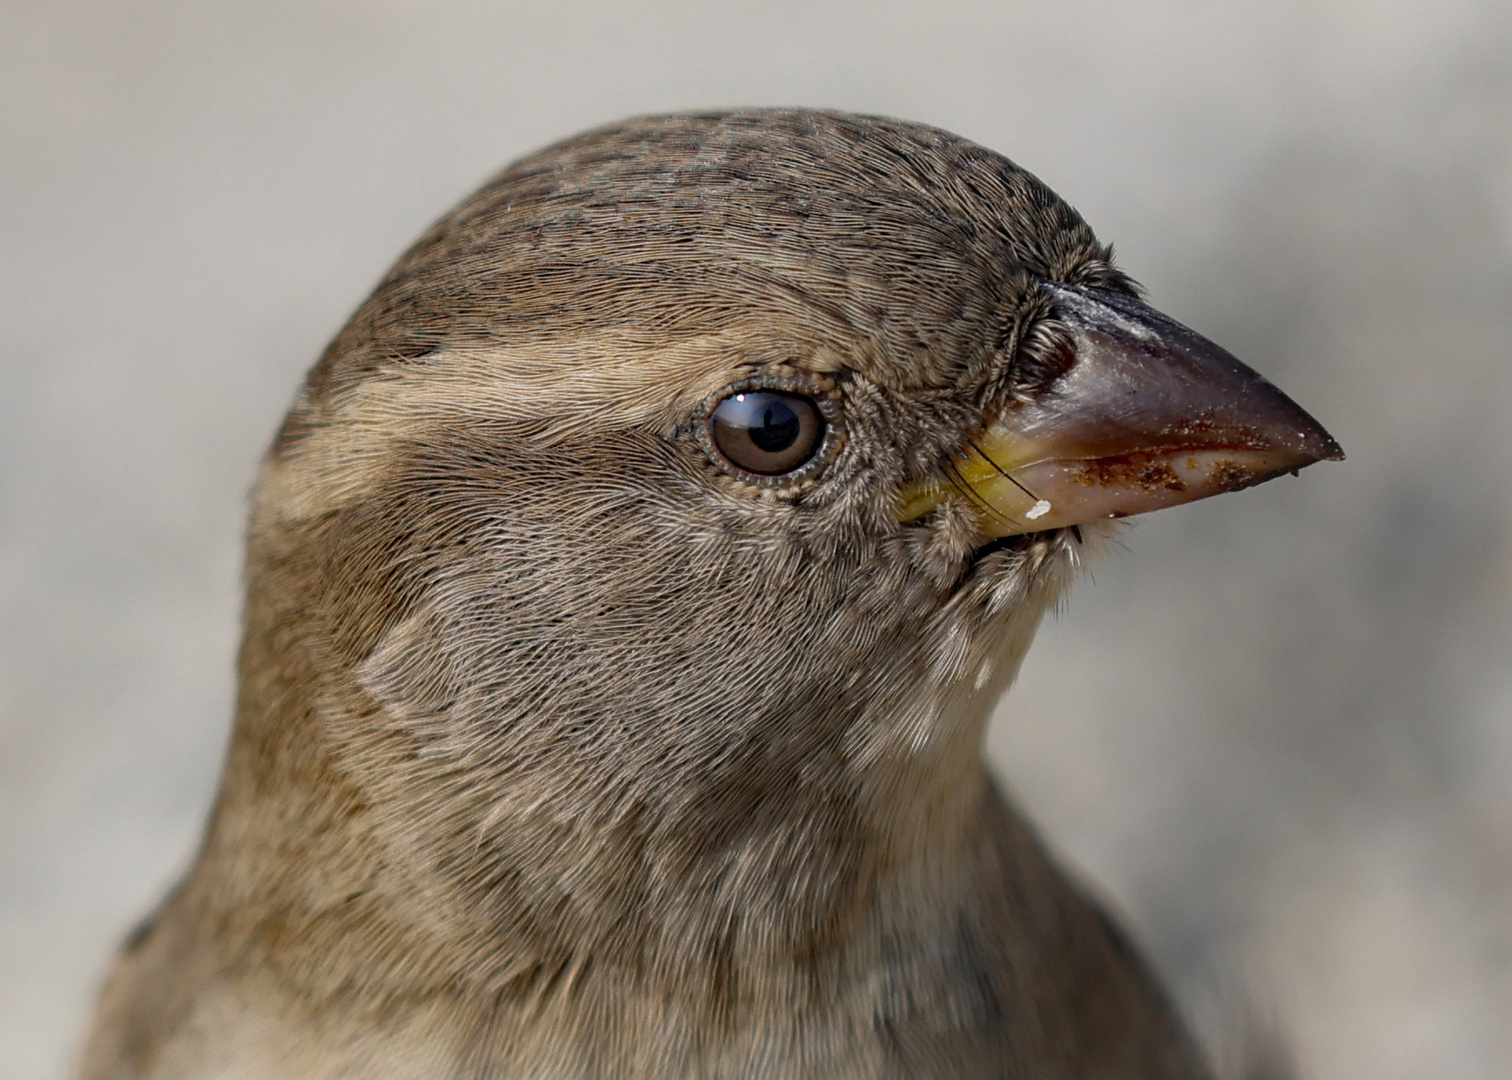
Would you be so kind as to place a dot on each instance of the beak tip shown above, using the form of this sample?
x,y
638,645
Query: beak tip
x,y
1319,445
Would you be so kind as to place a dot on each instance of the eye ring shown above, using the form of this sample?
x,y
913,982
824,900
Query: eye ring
x,y
772,431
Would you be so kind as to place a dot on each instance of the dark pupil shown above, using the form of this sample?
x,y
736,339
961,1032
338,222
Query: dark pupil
x,y
778,428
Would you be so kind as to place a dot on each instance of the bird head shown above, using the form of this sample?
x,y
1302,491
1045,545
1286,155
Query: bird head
x,y
668,520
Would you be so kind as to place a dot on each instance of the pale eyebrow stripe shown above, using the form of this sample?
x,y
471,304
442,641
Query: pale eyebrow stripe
x,y
573,387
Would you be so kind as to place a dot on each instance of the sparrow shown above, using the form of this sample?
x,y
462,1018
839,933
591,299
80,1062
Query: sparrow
x,y
628,590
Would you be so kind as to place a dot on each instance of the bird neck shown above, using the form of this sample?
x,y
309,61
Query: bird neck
x,y
369,863
731,898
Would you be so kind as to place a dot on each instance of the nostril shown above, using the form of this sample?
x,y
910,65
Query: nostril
x,y
1047,352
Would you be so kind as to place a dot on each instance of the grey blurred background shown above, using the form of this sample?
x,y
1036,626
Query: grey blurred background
x,y
1277,728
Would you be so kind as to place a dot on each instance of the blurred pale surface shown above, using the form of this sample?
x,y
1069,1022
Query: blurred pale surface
x,y
1277,728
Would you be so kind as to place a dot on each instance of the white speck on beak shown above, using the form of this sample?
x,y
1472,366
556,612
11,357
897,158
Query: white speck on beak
x,y
1039,510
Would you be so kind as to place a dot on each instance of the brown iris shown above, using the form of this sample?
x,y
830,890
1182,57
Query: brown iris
x,y
767,432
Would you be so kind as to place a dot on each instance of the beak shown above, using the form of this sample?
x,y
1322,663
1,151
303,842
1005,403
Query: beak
x,y
1149,414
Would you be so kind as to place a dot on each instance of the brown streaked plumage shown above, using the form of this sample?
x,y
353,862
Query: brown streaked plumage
x,y
573,744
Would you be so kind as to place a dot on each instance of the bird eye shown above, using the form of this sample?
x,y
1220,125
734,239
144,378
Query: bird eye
x,y
767,432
